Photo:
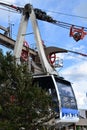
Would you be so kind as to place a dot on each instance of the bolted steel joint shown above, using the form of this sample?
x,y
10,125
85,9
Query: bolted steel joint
x,y
27,10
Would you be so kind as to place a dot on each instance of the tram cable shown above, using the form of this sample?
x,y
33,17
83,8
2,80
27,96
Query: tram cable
x,y
42,15
71,15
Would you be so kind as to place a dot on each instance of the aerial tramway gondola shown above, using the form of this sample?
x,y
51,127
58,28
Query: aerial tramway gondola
x,y
62,96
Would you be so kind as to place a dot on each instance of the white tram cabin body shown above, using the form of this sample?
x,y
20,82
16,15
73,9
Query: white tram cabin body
x,y
63,97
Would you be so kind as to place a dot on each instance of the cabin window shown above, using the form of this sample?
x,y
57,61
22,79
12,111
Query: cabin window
x,y
48,84
66,95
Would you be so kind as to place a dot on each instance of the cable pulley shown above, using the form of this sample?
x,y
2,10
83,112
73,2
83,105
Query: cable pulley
x,y
52,58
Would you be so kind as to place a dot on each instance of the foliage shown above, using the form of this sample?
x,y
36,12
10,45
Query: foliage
x,y
21,103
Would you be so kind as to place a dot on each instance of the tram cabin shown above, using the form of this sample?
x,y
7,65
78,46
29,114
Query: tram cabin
x,y
62,95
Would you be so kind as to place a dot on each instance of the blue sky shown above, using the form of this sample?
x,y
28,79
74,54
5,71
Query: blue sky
x,y
74,66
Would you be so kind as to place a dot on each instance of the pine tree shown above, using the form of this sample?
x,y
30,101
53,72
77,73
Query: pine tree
x,y
22,105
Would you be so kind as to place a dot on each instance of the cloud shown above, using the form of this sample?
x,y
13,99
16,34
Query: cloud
x,y
81,100
79,69
80,91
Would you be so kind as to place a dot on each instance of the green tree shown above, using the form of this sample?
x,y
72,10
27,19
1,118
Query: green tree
x,y
22,105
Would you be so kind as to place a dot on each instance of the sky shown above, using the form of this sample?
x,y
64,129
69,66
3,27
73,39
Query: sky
x,y
74,66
